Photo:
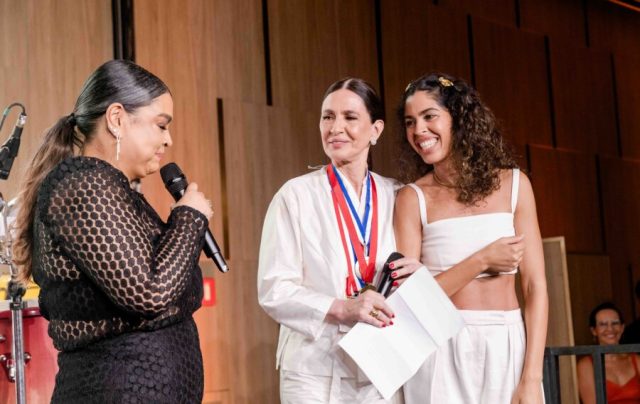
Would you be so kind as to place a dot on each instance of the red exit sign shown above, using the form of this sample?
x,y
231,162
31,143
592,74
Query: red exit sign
x,y
209,292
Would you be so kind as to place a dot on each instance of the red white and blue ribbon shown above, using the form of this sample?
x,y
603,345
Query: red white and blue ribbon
x,y
347,214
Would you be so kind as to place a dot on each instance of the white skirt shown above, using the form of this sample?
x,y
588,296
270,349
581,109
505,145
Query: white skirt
x,y
480,365
297,388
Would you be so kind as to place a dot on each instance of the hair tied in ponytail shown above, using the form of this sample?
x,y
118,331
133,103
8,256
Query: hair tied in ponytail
x,y
71,119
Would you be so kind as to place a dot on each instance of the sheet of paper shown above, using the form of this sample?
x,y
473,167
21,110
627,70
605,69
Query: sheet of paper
x,y
425,319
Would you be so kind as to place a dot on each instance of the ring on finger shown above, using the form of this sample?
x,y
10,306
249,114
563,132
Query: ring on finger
x,y
374,313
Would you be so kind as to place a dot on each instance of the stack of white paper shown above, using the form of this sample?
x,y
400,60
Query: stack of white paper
x,y
425,319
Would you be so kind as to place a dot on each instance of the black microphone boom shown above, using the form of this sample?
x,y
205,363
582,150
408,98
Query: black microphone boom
x,y
176,184
386,281
9,150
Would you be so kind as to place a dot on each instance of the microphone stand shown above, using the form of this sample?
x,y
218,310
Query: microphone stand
x,y
14,365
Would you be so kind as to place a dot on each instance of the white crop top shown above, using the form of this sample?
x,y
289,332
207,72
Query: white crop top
x,y
447,242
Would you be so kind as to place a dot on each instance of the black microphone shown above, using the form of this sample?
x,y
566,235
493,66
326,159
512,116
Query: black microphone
x,y
9,150
386,281
176,184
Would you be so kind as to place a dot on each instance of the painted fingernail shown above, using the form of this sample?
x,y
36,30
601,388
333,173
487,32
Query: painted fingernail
x,y
391,265
395,283
393,316
394,274
384,325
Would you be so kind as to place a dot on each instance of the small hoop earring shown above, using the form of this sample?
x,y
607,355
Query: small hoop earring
x,y
373,141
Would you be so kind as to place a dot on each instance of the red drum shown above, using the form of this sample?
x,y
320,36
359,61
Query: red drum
x,y
41,369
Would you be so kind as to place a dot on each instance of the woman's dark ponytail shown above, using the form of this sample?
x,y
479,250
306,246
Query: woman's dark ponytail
x,y
58,144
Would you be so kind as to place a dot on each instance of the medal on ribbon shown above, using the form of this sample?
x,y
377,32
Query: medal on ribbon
x,y
346,212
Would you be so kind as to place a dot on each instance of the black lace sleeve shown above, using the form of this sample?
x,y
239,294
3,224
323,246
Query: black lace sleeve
x,y
96,219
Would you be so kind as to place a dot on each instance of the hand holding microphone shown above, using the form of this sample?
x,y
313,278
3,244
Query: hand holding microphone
x,y
385,283
395,271
188,195
196,200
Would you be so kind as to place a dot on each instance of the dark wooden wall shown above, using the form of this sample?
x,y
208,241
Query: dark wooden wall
x,y
248,76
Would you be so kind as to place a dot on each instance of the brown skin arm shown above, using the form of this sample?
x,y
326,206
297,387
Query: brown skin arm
x,y
586,383
534,290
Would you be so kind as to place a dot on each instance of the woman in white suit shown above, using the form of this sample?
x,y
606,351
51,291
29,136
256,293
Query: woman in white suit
x,y
326,235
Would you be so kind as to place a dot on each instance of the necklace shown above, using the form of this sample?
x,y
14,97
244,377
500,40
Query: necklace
x,y
440,182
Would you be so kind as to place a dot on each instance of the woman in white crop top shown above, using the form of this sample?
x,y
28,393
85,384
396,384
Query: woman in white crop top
x,y
470,218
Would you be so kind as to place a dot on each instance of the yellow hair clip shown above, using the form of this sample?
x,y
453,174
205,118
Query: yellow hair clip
x,y
445,82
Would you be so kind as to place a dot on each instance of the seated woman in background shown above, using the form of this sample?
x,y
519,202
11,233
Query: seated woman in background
x,y
623,374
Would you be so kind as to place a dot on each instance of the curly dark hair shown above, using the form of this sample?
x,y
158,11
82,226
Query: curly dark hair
x,y
478,151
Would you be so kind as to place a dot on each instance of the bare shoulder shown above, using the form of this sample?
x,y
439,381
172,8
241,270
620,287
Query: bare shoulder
x,y
525,189
506,175
406,198
524,179
506,180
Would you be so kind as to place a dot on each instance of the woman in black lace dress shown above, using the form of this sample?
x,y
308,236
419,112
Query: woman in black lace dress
x,y
118,285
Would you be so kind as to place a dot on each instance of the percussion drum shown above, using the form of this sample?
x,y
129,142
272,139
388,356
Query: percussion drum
x,y
41,357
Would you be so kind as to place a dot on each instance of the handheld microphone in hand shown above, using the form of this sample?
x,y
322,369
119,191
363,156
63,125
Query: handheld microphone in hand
x,y
9,150
386,281
176,184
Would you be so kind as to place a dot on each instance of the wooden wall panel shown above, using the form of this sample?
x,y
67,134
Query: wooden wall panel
x,y
511,75
418,38
613,27
566,189
590,282
620,179
14,76
561,20
583,98
560,328
316,42
253,337
215,332
628,91
238,56
520,152
263,152
45,62
499,11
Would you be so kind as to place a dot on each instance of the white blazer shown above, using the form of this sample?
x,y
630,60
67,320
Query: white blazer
x,y
302,269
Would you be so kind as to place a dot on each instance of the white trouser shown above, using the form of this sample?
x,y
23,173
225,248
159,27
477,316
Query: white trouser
x,y
480,365
297,388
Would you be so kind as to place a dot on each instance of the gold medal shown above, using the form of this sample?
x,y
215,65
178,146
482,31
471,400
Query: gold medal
x,y
366,287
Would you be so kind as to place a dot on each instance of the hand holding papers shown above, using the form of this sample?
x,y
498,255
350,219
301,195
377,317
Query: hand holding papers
x,y
425,319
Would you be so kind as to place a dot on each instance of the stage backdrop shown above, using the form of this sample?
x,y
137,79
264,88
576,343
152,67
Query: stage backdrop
x,y
248,76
